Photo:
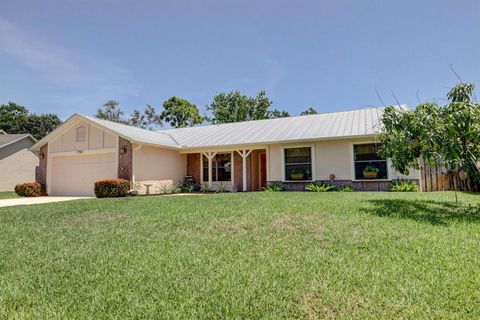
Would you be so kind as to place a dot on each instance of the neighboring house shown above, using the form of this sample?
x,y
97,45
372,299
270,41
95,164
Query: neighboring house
x,y
241,156
17,163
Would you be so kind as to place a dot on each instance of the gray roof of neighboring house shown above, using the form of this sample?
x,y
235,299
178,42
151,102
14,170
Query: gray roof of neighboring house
x,y
8,139
361,122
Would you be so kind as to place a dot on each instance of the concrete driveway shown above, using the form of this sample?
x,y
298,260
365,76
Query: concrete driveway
x,y
36,200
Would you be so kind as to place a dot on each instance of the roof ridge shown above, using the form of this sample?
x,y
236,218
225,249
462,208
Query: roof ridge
x,y
165,130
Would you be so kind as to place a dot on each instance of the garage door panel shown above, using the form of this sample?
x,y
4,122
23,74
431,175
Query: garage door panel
x,y
76,175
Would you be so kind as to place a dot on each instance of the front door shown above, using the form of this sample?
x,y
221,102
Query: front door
x,y
263,170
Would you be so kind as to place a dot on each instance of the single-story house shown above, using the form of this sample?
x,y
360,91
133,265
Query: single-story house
x,y
17,163
243,156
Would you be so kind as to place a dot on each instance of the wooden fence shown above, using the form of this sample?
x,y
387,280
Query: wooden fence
x,y
436,178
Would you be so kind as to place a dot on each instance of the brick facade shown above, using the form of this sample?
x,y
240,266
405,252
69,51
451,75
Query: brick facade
x,y
254,170
238,172
41,176
124,159
193,166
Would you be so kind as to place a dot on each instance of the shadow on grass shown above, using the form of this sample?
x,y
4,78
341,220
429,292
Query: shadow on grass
x,y
427,211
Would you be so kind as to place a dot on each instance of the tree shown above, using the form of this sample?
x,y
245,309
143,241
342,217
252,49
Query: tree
x,y
111,112
180,113
235,107
275,113
309,111
15,118
461,131
439,135
41,125
145,120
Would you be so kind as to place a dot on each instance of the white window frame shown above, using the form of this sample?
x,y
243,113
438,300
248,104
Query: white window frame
x,y
352,164
312,156
202,178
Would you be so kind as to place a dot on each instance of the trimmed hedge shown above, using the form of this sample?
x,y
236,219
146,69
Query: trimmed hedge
x,y
111,188
29,189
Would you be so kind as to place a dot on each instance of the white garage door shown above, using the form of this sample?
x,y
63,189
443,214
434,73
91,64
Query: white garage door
x,y
76,175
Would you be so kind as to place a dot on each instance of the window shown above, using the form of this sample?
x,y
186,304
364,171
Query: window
x,y
367,160
221,167
298,163
81,134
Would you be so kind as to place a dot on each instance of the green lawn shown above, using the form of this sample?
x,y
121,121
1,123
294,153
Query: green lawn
x,y
8,195
254,255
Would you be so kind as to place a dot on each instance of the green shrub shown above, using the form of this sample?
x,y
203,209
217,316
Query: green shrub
x,y
275,187
206,188
323,187
222,188
111,188
371,169
176,187
29,189
403,186
169,188
345,189
190,187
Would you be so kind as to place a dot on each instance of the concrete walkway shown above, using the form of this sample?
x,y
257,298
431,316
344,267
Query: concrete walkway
x,y
36,200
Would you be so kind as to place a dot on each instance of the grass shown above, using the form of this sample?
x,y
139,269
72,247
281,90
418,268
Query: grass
x,y
8,195
254,255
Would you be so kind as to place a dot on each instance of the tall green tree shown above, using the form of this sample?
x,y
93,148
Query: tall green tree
x,y
235,107
309,111
275,113
439,135
43,124
15,118
148,119
180,113
111,111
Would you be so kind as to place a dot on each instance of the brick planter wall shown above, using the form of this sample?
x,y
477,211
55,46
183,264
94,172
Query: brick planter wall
x,y
357,185
124,159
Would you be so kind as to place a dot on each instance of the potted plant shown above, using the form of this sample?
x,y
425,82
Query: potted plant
x,y
296,175
370,172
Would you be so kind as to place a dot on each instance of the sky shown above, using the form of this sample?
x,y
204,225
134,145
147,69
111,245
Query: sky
x,y
71,56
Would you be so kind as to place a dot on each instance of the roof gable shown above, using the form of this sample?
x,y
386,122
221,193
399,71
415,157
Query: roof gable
x,y
128,132
136,134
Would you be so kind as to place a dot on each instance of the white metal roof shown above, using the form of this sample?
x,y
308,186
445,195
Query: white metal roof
x,y
361,122
335,125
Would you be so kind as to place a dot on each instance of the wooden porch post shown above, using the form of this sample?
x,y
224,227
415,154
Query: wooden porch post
x,y
244,154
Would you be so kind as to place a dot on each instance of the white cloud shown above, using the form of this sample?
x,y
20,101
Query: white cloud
x,y
75,78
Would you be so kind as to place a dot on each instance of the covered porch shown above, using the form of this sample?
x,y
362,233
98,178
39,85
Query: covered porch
x,y
243,169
